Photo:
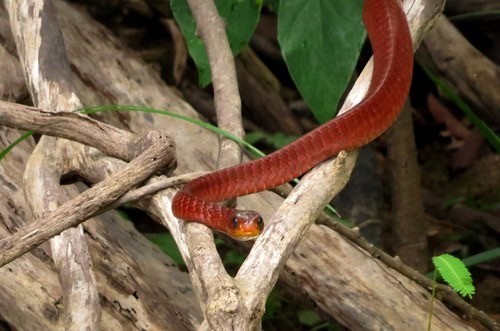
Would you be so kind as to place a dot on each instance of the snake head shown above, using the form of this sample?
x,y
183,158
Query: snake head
x,y
245,225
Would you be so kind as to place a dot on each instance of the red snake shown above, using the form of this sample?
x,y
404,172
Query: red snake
x,y
390,38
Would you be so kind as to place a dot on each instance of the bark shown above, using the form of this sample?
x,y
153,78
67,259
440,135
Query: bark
x,y
343,280
131,287
139,287
48,77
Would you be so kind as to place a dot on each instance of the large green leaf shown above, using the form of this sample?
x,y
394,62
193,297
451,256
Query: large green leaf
x,y
321,40
241,17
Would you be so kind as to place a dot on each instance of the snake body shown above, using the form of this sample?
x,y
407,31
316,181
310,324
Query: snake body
x,y
391,42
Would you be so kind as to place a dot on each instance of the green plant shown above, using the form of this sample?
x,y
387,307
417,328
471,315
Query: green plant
x,y
240,17
312,34
7,149
455,273
482,257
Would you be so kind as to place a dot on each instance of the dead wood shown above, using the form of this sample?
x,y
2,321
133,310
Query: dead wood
x,y
341,271
217,291
73,126
159,156
46,308
48,76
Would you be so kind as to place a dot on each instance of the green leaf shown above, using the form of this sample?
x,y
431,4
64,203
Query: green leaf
x,y
241,17
167,244
308,317
455,273
321,41
486,256
7,149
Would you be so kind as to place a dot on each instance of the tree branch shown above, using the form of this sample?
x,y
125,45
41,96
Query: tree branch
x,y
218,293
42,52
157,157
73,126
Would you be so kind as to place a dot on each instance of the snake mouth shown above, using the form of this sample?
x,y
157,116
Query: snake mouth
x,y
242,235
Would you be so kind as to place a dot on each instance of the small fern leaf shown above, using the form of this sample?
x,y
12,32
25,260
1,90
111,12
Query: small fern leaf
x,y
455,273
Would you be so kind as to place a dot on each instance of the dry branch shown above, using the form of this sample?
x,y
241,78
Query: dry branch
x,y
268,270
340,270
159,156
119,254
157,185
107,138
40,46
245,316
216,289
139,286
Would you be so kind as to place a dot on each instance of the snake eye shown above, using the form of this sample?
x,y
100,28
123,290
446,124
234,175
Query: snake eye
x,y
260,222
235,222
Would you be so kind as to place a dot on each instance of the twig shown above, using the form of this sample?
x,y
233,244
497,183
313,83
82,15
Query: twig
x,y
49,78
293,268
216,289
88,204
255,268
395,263
212,31
159,184
83,129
